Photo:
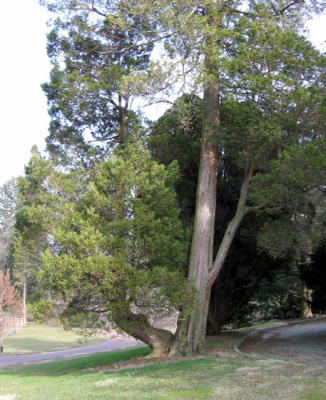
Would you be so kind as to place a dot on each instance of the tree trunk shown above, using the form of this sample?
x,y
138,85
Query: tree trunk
x,y
191,331
190,334
306,302
24,302
218,310
159,340
123,122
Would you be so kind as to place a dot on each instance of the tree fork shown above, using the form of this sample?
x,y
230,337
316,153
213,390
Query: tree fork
x,y
190,335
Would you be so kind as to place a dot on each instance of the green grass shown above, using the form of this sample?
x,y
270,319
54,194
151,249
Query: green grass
x,y
229,378
34,338
260,326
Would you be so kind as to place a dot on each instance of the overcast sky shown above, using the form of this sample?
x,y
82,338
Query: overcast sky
x,y
24,66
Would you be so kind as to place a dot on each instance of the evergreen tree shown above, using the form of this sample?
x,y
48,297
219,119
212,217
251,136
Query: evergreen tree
x,y
251,56
89,94
8,206
34,220
120,251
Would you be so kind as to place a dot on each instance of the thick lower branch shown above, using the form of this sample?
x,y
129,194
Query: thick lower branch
x,y
137,325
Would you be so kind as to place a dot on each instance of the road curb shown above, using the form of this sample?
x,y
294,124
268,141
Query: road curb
x,y
237,346
84,352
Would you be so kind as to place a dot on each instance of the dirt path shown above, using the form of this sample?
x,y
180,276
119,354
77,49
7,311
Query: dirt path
x,y
111,344
303,342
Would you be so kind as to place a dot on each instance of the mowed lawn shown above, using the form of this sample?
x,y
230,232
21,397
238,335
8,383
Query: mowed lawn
x,y
34,338
223,375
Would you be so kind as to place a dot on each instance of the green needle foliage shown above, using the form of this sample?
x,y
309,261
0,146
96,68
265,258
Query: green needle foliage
x,y
88,94
121,247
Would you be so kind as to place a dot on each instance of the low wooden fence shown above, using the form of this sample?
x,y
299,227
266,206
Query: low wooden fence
x,y
10,325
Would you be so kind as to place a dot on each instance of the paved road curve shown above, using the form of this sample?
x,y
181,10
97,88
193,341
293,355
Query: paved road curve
x,y
111,344
301,342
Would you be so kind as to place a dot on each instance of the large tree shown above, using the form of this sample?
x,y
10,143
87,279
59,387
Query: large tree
x,y
254,57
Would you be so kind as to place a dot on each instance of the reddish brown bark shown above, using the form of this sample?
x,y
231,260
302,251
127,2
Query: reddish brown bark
x,y
190,335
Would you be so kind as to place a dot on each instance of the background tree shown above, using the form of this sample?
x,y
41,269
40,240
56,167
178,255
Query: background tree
x,y
89,96
9,296
176,136
8,208
34,220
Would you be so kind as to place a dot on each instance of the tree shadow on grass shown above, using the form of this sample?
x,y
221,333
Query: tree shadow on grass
x,y
80,366
35,345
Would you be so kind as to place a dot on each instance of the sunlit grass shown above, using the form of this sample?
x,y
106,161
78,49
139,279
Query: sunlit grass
x,y
34,338
224,378
262,325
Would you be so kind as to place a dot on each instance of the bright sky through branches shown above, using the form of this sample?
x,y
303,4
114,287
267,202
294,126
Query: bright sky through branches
x,y
24,66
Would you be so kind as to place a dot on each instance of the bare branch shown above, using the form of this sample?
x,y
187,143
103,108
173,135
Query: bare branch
x,y
94,9
282,11
254,208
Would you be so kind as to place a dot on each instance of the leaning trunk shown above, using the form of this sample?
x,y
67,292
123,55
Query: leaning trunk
x,y
137,325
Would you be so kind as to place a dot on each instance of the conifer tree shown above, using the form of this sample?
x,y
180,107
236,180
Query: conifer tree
x,y
253,56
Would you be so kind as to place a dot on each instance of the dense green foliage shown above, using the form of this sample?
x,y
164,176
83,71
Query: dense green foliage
x,y
121,245
42,311
8,208
34,220
89,94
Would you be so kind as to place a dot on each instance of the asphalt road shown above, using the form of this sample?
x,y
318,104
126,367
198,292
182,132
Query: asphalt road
x,y
111,344
303,342
300,342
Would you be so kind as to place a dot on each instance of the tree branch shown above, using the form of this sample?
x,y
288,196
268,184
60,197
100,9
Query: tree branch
x,y
94,9
254,208
232,228
281,12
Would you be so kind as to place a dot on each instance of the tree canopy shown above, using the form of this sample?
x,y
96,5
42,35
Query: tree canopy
x,y
253,105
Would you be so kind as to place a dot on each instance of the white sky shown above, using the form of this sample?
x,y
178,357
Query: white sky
x,y
24,66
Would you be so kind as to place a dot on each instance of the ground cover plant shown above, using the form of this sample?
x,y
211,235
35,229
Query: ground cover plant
x,y
34,338
221,374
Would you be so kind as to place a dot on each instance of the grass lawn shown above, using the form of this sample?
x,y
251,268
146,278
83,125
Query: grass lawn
x,y
263,325
34,338
224,375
